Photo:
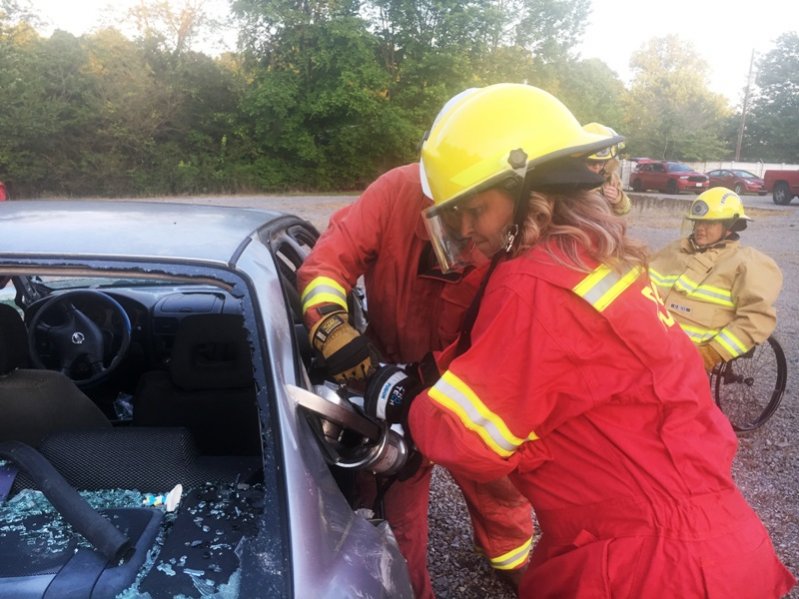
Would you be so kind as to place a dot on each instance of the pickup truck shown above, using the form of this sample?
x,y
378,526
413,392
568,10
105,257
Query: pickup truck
x,y
783,185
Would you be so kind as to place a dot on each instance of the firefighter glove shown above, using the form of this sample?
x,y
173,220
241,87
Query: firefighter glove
x,y
389,393
348,354
710,356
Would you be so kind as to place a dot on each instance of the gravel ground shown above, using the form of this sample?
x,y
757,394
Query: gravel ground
x,y
767,464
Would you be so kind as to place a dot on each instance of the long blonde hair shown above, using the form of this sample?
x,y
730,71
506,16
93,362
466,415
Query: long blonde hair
x,y
579,223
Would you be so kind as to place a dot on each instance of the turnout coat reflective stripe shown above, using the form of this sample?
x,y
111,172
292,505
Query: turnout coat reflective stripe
x,y
583,389
412,310
382,237
723,296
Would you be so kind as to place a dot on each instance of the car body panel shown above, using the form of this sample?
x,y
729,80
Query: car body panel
x,y
783,184
327,540
130,230
739,180
309,541
667,177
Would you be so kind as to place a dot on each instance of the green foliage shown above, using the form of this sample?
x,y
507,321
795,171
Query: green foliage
x,y
669,111
327,94
47,105
772,133
593,92
321,112
16,11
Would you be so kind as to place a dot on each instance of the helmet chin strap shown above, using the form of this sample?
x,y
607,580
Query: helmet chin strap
x,y
520,195
510,237
520,210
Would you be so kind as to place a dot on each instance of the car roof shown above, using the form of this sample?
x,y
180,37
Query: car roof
x,y
127,229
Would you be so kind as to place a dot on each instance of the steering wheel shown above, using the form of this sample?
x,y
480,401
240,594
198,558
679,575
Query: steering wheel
x,y
86,349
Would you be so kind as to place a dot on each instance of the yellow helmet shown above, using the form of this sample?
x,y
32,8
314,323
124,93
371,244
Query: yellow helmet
x,y
718,203
486,135
605,153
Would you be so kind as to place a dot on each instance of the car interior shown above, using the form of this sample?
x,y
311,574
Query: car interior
x,y
121,390
128,387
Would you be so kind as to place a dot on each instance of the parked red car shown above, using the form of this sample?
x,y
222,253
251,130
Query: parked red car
x,y
3,192
668,177
740,181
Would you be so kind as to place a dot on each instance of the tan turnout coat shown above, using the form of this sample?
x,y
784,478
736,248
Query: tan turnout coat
x,y
723,295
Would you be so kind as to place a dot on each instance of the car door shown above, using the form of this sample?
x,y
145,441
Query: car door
x,y
657,178
327,560
642,175
726,179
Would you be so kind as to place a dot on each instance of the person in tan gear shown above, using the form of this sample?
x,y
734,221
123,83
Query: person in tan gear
x,y
720,293
605,162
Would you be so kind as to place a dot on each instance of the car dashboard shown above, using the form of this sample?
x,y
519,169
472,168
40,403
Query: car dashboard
x,y
155,313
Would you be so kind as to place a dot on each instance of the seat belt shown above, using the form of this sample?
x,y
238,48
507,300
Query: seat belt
x,y
98,530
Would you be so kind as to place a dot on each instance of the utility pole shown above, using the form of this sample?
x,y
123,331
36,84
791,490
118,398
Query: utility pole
x,y
744,108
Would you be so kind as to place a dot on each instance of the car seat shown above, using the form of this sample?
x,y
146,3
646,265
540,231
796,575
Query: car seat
x,y
208,387
35,403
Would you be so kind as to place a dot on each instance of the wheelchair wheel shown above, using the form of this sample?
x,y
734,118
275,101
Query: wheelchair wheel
x,y
749,388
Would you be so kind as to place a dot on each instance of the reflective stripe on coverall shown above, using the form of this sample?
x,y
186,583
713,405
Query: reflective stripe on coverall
x,y
582,388
723,296
382,237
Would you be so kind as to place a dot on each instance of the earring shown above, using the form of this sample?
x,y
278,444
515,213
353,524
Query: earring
x,y
510,237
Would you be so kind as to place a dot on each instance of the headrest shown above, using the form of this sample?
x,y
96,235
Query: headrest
x,y
13,340
211,352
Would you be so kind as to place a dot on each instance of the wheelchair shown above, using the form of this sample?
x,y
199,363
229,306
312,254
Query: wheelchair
x,y
749,388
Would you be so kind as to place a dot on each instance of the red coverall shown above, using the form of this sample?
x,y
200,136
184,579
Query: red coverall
x,y
382,236
585,391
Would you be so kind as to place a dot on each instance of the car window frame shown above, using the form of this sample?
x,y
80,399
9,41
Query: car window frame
x,y
229,278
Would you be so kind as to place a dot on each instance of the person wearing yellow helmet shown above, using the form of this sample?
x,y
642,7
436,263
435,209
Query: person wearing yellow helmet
x,y
721,294
548,152
606,163
414,310
572,378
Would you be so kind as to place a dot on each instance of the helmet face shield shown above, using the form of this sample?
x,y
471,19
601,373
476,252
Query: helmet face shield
x,y
474,228
605,153
453,251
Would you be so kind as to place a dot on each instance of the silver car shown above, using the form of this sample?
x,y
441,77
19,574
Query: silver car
x,y
151,440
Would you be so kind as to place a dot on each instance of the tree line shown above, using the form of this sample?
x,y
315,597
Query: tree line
x,y
326,94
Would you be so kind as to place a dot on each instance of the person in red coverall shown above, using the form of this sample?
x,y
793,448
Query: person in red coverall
x,y
413,309
574,379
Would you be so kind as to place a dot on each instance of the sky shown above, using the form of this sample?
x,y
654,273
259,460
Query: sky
x,y
723,34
